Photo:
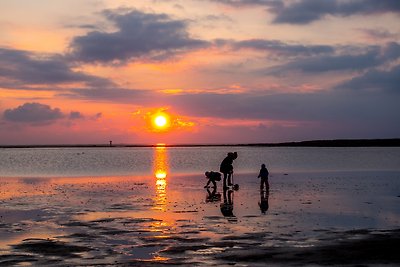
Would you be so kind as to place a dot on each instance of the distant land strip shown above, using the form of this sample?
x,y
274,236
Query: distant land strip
x,y
394,142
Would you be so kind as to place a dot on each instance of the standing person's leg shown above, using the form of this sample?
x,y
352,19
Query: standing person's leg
x,y
264,182
230,196
225,178
230,178
214,183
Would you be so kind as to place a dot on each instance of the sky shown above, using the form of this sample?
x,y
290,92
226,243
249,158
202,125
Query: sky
x,y
219,71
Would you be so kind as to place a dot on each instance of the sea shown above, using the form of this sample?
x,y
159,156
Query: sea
x,y
105,161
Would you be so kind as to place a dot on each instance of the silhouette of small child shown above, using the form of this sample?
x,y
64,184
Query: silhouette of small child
x,y
264,177
212,178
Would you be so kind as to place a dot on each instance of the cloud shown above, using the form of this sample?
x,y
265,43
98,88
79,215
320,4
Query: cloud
x,y
111,94
372,56
138,35
219,17
376,80
249,105
35,113
249,3
19,68
332,107
75,115
332,63
378,34
97,116
306,11
282,48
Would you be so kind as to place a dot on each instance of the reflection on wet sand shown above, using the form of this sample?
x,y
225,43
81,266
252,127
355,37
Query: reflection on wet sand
x,y
227,205
139,221
160,173
213,196
264,204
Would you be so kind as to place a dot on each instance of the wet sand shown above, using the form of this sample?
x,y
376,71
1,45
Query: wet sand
x,y
307,219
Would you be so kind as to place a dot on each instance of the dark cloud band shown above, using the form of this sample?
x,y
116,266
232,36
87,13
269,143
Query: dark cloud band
x,y
22,67
307,11
138,36
33,113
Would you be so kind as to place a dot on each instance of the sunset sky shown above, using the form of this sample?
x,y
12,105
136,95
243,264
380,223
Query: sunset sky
x,y
219,71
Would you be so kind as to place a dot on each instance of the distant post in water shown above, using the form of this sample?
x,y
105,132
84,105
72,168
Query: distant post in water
x,y
110,143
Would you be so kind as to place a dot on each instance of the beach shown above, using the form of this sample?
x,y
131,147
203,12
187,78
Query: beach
x,y
308,218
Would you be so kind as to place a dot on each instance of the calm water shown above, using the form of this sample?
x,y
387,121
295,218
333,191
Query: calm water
x,y
46,162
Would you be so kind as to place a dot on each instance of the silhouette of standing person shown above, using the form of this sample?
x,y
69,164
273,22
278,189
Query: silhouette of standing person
x,y
264,177
226,168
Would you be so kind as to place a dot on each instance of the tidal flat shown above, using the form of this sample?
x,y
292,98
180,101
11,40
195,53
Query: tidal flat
x,y
306,218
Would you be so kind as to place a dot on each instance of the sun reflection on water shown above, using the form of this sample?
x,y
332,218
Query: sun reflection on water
x,y
160,173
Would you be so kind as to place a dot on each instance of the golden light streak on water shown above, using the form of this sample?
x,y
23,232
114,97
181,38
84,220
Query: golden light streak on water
x,y
161,173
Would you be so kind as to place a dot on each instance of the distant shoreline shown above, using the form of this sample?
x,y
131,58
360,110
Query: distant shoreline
x,y
393,142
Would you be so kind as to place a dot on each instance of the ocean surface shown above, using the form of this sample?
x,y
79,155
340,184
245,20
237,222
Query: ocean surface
x,y
72,162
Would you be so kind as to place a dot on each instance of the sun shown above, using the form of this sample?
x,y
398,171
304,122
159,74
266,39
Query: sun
x,y
160,121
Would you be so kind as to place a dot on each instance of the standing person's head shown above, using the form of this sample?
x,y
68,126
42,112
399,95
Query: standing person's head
x,y
263,166
235,155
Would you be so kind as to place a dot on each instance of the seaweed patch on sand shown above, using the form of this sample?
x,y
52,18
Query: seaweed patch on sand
x,y
47,247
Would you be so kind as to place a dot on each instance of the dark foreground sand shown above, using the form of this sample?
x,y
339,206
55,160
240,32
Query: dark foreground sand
x,y
308,219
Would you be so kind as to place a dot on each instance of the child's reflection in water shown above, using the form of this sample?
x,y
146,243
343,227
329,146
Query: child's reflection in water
x,y
213,196
264,205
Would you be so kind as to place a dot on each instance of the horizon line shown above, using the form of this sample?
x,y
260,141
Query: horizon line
x,y
310,143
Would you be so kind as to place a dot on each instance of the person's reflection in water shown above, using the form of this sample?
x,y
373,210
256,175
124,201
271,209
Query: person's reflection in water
x,y
213,196
263,204
227,205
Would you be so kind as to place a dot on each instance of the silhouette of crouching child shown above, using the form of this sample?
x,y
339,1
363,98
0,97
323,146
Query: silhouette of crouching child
x,y
213,177
264,177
